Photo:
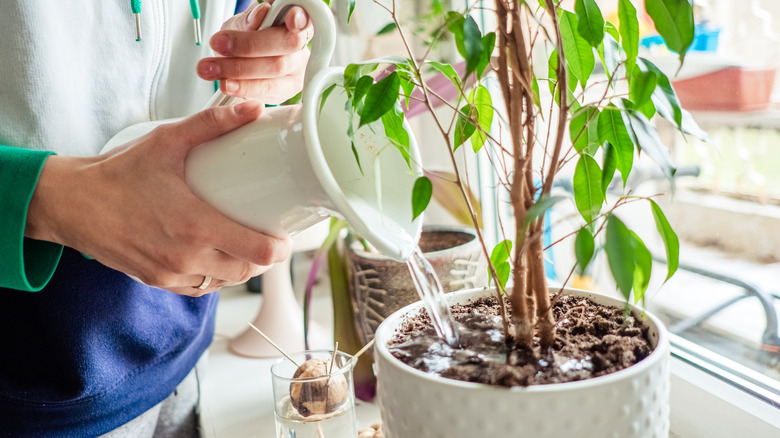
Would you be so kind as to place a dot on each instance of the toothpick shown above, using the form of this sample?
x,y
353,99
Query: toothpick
x,y
333,359
278,348
363,350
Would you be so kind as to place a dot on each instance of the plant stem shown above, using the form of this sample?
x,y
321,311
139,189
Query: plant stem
x,y
445,134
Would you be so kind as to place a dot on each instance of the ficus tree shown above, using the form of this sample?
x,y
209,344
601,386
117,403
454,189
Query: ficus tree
x,y
595,123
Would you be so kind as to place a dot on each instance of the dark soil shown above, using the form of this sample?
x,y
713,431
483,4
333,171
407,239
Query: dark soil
x,y
591,340
438,240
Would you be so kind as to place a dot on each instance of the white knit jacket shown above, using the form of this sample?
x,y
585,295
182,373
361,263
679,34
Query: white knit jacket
x,y
73,74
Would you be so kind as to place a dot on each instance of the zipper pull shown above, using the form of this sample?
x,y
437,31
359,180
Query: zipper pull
x,y
195,8
135,5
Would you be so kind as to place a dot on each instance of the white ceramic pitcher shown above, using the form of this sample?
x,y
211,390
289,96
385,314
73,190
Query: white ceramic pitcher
x,y
294,166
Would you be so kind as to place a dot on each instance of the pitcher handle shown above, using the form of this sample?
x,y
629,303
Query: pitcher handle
x,y
323,42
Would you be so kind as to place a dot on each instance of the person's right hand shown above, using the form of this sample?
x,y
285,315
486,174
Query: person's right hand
x,y
132,210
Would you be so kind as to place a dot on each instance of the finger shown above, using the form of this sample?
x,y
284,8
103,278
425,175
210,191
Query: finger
x,y
194,283
296,19
222,269
255,17
212,123
248,245
231,238
273,41
271,91
249,19
212,69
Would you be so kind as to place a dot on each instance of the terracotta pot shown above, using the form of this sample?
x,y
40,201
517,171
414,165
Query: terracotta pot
x,y
729,89
381,286
630,403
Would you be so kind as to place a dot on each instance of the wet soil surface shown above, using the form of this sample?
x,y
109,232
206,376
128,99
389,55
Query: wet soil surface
x,y
591,340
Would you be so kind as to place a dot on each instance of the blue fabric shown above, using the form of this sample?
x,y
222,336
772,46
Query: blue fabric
x,y
242,4
93,350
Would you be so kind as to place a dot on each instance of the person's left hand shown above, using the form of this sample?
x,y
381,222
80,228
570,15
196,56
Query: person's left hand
x,y
266,65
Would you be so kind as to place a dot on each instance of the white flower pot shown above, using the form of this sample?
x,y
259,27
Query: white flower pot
x,y
630,403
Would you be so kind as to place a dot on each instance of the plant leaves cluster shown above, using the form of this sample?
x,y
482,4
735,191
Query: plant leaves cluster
x,y
606,135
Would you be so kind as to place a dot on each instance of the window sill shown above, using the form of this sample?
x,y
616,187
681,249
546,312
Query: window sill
x,y
703,405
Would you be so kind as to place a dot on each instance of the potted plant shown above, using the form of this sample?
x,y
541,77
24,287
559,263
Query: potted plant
x,y
545,113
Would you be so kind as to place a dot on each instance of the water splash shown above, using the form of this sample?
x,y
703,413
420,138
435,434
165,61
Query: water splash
x,y
430,291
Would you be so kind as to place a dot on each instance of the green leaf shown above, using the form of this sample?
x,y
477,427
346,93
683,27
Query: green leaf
x,y
587,187
400,61
669,237
407,86
664,97
437,7
421,195
591,23
501,251
357,158
540,207
629,31
448,71
361,88
689,126
464,128
579,53
668,105
612,127
351,132
643,262
673,19
584,247
610,166
583,131
353,72
611,30
620,254
380,98
647,109
499,259
455,22
641,86
325,94
389,27
535,89
351,8
484,105
472,44
488,45
502,272
552,70
610,57
649,141
394,129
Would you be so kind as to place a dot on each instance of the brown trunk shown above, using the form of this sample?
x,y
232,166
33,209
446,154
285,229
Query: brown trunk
x,y
522,309
515,75
544,318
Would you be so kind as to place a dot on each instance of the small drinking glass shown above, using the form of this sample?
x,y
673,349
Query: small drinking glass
x,y
318,402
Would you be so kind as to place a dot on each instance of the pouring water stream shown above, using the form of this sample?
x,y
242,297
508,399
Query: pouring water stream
x,y
432,295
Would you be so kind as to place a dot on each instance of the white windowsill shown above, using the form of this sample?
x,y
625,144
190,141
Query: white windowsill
x,y
702,405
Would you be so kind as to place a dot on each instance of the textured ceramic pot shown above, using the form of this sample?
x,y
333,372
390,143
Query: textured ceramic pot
x,y
631,403
381,286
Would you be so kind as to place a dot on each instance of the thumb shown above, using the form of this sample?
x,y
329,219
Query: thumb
x,y
214,122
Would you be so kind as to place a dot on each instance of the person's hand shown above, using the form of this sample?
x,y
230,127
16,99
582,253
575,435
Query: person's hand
x,y
265,65
132,210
